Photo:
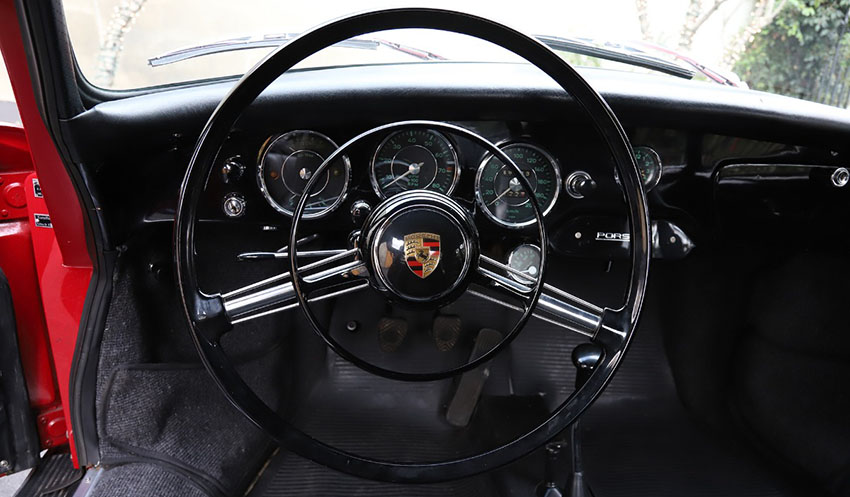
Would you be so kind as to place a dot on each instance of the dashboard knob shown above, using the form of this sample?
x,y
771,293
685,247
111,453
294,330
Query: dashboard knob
x,y
233,205
840,177
360,210
580,184
232,170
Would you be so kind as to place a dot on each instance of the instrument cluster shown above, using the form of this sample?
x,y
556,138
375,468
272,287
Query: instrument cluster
x,y
422,158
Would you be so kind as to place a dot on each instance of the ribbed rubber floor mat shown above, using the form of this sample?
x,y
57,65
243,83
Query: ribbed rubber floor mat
x,y
54,476
638,440
637,447
289,475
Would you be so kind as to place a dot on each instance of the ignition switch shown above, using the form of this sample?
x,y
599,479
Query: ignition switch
x,y
233,205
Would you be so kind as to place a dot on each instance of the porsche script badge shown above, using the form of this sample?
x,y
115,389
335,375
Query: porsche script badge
x,y
422,251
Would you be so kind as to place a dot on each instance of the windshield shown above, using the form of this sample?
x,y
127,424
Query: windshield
x,y
794,47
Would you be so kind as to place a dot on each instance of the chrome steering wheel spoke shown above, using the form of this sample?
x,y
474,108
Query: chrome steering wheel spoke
x,y
554,306
498,275
327,278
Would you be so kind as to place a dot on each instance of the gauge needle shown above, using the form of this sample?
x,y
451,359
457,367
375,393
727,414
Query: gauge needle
x,y
411,169
513,184
499,196
321,202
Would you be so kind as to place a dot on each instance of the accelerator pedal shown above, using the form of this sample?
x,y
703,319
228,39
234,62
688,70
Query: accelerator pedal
x,y
472,382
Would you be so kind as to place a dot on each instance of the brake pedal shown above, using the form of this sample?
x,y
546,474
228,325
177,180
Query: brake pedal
x,y
446,331
471,383
391,333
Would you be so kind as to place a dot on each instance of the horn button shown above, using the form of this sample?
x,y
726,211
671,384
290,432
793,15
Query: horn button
x,y
421,245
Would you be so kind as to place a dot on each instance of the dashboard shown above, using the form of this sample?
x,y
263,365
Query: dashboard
x,y
260,178
688,139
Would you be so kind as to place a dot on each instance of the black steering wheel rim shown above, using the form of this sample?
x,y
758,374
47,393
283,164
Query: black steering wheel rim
x,y
205,313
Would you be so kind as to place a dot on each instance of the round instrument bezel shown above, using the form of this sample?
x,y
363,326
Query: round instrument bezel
x,y
502,146
261,181
373,176
513,254
659,168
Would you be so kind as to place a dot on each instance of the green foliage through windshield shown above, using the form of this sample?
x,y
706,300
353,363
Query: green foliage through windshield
x,y
804,53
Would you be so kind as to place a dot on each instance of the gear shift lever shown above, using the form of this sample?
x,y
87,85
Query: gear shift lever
x,y
550,473
585,358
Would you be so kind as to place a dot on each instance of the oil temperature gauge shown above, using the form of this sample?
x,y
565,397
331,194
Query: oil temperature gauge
x,y
649,166
525,259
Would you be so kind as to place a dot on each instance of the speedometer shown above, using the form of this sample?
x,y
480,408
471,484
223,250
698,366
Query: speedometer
x,y
500,193
287,164
414,159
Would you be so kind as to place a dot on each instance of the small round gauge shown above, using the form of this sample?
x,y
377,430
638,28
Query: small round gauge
x,y
500,193
524,259
649,166
415,159
289,161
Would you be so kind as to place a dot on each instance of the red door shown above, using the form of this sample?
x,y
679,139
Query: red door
x,y
44,253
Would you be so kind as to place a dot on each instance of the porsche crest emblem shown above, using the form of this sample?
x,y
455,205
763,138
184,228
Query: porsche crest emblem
x,y
422,251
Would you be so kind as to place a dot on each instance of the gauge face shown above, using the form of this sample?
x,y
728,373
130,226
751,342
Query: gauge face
x,y
649,166
414,159
289,162
524,259
500,193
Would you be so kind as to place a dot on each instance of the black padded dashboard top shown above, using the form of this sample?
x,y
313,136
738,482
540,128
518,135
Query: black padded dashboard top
x,y
453,91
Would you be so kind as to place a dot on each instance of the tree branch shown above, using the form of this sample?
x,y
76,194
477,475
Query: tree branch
x,y
708,13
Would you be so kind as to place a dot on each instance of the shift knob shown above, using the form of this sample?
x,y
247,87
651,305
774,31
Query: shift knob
x,y
585,358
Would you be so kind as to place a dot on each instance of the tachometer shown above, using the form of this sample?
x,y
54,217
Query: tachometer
x,y
414,159
289,161
500,193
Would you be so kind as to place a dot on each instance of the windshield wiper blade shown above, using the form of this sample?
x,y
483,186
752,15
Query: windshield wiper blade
x,y
710,73
614,52
273,41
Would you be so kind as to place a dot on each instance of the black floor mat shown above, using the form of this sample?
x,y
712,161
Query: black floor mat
x,y
289,475
638,441
636,447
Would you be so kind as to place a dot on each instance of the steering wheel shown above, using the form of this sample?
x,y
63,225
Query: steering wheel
x,y
395,248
